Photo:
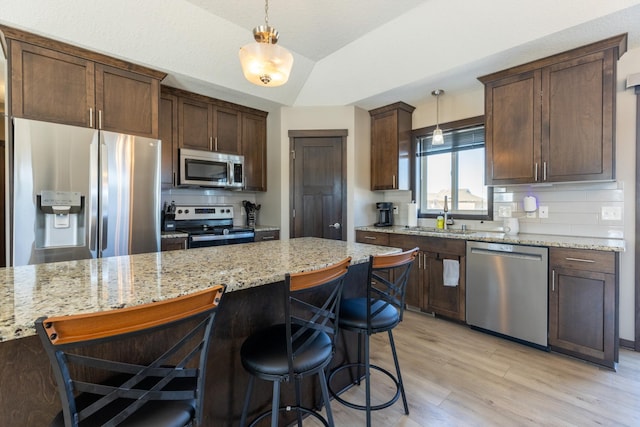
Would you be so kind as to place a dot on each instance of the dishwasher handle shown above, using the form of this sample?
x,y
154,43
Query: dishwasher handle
x,y
505,254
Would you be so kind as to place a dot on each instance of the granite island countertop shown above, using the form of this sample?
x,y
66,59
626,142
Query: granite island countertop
x,y
73,287
593,243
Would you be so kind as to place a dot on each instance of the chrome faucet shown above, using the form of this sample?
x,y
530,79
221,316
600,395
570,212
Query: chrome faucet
x,y
446,213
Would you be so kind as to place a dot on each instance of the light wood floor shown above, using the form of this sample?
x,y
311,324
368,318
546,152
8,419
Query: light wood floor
x,y
455,376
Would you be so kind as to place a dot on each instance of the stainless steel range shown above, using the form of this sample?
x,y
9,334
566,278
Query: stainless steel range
x,y
210,225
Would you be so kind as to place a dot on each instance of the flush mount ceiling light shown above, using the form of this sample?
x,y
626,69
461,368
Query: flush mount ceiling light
x,y
264,63
438,138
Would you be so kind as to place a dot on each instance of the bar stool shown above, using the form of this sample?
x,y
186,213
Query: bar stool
x,y
167,391
303,345
381,310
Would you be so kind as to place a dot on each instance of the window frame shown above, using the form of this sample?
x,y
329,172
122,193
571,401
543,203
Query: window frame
x,y
416,134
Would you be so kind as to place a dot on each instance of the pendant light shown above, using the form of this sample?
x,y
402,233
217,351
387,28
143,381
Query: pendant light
x,y
264,63
438,138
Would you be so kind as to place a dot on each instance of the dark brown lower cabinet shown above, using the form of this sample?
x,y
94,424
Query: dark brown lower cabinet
x,y
173,243
263,236
426,290
583,301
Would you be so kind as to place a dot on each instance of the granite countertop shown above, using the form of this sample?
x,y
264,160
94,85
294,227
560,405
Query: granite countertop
x,y
593,243
84,286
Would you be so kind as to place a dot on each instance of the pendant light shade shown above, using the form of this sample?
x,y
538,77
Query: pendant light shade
x,y
438,138
264,63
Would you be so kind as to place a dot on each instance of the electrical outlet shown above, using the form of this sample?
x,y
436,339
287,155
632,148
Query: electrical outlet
x,y
543,211
395,210
504,211
611,213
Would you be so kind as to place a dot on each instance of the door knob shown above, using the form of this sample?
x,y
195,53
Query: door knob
x,y
336,225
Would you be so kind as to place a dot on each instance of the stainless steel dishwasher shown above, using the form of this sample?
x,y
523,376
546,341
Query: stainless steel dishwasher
x,y
507,290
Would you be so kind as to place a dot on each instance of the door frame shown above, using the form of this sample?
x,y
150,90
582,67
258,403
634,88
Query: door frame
x,y
637,225
318,133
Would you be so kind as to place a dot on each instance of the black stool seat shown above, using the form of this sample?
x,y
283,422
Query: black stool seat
x,y
153,414
353,315
265,352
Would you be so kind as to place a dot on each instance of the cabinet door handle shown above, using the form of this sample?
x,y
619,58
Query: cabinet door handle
x,y
90,117
173,179
419,263
210,143
185,244
580,260
394,182
553,280
544,171
99,119
535,174
268,237
216,143
370,237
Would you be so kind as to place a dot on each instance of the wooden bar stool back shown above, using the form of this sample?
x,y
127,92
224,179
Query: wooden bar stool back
x,y
303,345
380,311
163,387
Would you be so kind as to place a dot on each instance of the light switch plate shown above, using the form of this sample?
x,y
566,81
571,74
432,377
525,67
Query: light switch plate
x,y
543,211
395,210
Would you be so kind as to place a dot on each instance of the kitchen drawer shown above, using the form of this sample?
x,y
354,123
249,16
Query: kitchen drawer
x,y
372,238
404,241
581,259
443,245
173,243
262,236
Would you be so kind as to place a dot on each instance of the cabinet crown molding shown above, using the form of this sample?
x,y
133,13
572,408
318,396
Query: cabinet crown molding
x,y
619,43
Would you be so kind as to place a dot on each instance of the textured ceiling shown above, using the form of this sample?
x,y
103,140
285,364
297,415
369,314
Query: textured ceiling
x,y
313,29
346,52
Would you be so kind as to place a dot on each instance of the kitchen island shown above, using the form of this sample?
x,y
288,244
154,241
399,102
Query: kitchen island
x,y
253,273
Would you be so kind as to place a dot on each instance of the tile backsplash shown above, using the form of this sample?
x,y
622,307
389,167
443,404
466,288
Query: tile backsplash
x,y
594,209
198,196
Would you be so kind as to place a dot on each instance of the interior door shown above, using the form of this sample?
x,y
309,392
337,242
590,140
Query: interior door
x,y
318,184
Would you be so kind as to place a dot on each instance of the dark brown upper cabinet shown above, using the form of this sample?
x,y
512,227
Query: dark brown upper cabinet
x,y
206,126
56,82
391,161
553,120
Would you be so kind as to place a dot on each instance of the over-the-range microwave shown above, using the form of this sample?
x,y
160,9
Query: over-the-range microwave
x,y
211,169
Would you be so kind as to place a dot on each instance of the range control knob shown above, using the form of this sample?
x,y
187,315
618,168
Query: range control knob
x,y
179,211
186,211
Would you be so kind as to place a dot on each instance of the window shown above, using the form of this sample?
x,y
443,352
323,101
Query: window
x,y
455,170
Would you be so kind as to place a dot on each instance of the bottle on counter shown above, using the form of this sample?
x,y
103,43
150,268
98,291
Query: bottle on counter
x,y
440,222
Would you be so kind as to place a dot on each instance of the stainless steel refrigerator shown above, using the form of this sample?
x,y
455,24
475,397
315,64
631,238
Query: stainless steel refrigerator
x,y
80,193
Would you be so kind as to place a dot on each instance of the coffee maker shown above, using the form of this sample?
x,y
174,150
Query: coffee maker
x,y
385,214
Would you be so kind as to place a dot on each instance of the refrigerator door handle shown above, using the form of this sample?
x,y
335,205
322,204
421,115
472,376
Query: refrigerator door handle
x,y
94,221
104,196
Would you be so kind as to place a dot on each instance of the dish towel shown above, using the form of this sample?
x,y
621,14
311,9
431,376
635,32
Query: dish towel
x,y
450,272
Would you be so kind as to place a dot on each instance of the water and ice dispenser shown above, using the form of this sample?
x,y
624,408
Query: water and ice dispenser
x,y
60,219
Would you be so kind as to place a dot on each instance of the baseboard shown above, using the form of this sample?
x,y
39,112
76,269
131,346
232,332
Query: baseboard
x,y
631,345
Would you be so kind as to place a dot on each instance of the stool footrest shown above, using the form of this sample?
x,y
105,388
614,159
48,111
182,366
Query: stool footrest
x,y
386,404
290,409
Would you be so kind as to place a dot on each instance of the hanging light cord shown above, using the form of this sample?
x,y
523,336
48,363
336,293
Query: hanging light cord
x,y
437,111
266,13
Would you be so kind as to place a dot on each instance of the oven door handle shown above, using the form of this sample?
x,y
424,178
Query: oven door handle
x,y
231,236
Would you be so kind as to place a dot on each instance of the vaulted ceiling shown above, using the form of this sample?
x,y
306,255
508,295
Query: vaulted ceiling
x,y
346,52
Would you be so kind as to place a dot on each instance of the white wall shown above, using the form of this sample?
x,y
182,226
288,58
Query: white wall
x,y
273,211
